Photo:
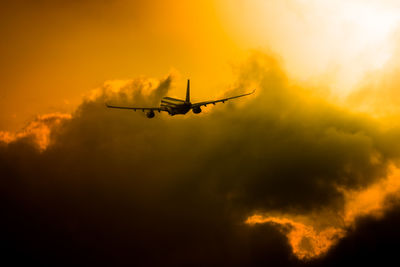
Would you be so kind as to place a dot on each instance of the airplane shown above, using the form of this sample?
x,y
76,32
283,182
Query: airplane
x,y
177,106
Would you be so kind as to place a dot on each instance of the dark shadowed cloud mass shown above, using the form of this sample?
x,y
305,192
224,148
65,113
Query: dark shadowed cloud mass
x,y
112,187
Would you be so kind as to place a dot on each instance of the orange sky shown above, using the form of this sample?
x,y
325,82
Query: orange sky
x,y
54,52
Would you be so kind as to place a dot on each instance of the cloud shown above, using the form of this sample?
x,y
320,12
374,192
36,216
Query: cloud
x,y
38,130
304,240
372,240
113,186
313,235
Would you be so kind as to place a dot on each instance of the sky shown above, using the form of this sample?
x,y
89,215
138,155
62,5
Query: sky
x,y
305,172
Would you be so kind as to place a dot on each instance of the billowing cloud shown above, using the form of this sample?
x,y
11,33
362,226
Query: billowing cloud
x,y
113,186
37,130
372,240
306,243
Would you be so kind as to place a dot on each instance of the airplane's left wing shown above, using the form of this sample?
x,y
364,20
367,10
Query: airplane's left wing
x,y
199,104
137,108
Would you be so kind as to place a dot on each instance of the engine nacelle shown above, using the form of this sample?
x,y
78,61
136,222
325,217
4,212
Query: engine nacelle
x,y
150,114
196,110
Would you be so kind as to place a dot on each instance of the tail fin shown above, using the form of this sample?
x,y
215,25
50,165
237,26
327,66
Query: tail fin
x,y
188,91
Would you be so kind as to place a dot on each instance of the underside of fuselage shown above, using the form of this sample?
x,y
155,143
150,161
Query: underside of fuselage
x,y
175,106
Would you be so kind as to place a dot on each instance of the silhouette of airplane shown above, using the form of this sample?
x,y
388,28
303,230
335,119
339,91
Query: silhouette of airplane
x,y
177,106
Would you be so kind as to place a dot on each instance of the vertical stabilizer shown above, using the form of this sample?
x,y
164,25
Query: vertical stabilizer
x,y
188,91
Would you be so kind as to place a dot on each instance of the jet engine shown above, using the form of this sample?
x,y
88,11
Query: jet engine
x,y
196,110
150,114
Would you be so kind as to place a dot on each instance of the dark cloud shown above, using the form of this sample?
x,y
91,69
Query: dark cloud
x,y
115,187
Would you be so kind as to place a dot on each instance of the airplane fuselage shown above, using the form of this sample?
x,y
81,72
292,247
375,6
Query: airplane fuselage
x,y
175,106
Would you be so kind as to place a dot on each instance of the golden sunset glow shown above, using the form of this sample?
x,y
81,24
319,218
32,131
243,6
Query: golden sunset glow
x,y
289,175
337,40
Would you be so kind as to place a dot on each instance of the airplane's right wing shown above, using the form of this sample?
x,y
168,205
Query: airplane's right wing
x,y
199,104
137,108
